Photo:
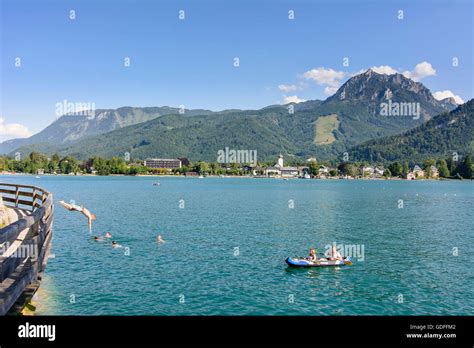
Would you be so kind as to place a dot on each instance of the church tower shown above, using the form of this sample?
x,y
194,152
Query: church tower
x,y
280,161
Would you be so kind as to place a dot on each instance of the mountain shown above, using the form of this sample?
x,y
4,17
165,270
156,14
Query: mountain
x,y
438,138
449,103
72,126
373,89
316,128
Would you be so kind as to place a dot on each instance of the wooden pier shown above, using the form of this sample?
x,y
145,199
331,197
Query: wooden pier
x,y
24,244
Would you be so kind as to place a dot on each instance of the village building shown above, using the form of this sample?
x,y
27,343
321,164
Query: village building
x,y
257,171
272,171
323,170
279,169
368,171
163,163
379,171
419,173
290,172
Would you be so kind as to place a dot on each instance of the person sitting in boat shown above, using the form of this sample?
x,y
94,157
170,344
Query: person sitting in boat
x,y
334,254
312,255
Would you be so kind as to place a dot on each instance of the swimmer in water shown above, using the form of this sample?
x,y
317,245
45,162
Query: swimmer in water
x,y
108,235
159,239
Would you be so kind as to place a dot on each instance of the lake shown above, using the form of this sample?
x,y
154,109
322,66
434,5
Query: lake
x,y
227,240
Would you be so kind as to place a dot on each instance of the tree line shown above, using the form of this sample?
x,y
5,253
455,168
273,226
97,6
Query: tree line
x,y
35,161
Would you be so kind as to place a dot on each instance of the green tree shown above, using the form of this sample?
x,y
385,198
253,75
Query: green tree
x,y
451,165
396,168
214,167
443,169
70,165
37,161
136,170
406,169
347,168
428,163
314,168
202,167
427,167
465,167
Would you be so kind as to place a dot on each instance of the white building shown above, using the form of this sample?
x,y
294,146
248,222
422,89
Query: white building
x,y
323,170
279,169
379,171
368,170
419,173
165,163
434,172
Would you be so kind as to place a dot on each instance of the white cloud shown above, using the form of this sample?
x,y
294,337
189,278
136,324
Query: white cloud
x,y
330,90
12,130
325,77
422,70
447,94
293,99
288,88
384,69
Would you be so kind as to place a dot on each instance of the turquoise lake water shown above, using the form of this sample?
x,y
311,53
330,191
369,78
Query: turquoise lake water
x,y
225,250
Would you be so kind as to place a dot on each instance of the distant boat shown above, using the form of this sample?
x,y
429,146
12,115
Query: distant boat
x,y
38,177
286,179
201,177
156,184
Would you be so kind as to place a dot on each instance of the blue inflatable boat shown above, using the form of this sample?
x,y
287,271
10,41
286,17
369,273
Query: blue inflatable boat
x,y
301,262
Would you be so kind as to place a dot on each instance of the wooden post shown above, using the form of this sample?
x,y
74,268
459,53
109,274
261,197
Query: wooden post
x,y
33,200
17,196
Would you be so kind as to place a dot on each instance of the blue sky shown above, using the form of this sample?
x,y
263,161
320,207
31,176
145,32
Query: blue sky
x,y
190,62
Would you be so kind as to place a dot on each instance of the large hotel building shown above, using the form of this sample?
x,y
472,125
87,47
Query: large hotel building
x,y
165,163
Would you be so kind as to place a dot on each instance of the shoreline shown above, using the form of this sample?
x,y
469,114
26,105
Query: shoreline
x,y
229,177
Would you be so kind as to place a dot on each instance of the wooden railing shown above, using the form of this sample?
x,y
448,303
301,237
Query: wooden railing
x,y
24,244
